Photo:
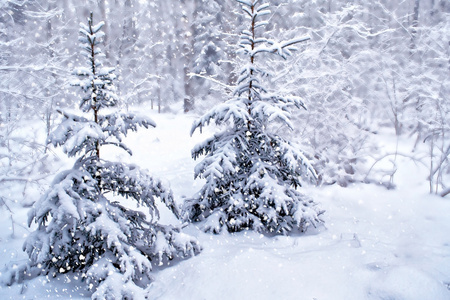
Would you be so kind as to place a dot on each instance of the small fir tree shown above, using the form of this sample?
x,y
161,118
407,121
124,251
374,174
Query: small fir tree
x,y
252,173
83,226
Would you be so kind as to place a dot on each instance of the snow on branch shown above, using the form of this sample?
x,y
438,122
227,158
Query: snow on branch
x,y
283,49
118,124
226,112
76,134
131,181
246,2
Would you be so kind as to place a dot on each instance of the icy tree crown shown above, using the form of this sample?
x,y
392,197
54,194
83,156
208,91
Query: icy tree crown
x,y
96,80
79,135
253,43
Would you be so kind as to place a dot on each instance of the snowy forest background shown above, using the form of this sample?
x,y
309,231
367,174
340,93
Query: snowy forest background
x,y
374,77
368,67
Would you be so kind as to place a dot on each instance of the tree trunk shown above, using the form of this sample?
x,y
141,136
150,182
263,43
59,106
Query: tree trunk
x,y
51,54
415,23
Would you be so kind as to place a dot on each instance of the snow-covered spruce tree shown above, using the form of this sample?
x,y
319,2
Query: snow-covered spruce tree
x,y
83,223
252,173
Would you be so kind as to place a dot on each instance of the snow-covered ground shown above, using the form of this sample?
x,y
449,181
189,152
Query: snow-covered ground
x,y
376,243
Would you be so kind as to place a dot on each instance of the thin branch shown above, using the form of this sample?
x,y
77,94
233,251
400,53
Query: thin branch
x,y
211,79
392,154
445,192
21,179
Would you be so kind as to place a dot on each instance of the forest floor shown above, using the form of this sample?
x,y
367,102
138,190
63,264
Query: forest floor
x,y
375,244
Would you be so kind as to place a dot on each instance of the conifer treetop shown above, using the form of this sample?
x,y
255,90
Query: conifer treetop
x,y
95,80
251,44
